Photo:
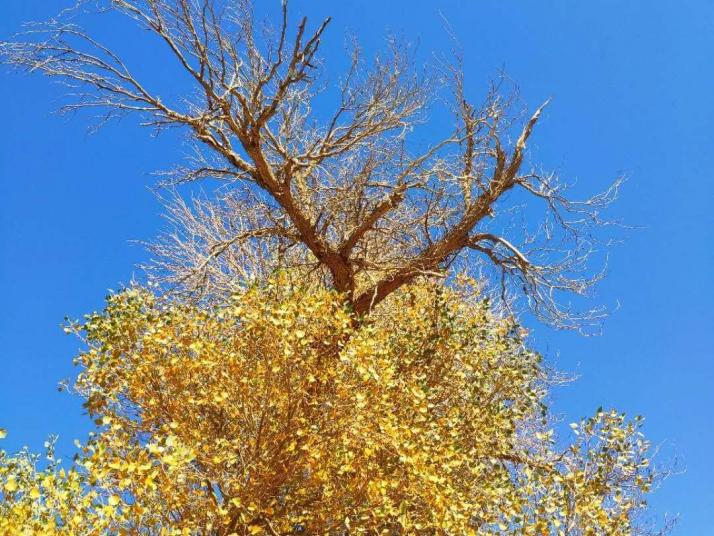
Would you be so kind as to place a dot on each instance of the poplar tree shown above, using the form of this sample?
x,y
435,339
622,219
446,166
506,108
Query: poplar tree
x,y
324,355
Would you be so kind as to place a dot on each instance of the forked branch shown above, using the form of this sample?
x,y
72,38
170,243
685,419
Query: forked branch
x,y
354,200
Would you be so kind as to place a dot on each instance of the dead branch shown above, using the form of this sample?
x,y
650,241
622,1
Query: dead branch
x,y
350,199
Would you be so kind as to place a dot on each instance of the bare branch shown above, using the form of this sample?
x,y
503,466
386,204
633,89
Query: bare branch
x,y
353,197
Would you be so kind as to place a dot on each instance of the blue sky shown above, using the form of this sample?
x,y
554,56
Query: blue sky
x,y
632,85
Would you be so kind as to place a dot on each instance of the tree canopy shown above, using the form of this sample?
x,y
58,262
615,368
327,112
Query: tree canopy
x,y
273,415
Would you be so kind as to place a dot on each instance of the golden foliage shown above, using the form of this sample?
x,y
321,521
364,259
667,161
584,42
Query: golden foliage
x,y
279,414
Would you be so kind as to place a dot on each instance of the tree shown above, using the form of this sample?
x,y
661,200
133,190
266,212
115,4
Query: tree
x,y
317,373
352,198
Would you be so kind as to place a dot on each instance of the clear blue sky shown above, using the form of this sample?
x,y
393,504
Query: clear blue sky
x,y
633,87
